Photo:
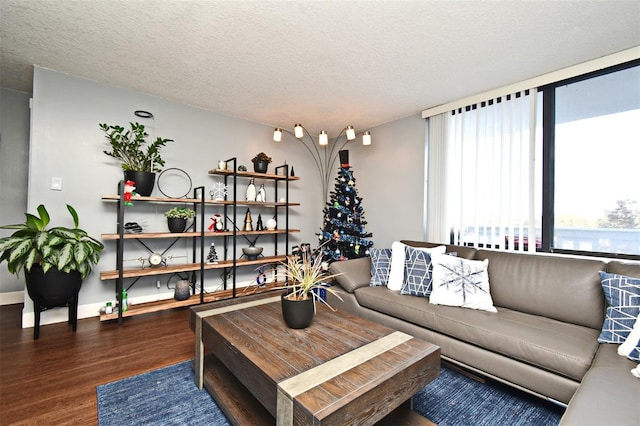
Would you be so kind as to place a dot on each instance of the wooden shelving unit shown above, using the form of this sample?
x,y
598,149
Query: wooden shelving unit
x,y
187,267
198,235
160,305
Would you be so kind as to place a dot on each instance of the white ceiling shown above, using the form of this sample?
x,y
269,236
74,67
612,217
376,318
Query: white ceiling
x,y
325,64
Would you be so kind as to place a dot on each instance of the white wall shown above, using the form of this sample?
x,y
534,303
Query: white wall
x,y
390,178
14,157
67,143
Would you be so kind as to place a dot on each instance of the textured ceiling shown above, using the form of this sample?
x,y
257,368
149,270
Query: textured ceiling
x,y
325,64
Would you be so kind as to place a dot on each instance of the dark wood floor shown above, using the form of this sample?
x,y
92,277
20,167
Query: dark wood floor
x,y
53,380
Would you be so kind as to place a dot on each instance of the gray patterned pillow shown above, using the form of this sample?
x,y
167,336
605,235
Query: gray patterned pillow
x,y
380,266
417,273
623,300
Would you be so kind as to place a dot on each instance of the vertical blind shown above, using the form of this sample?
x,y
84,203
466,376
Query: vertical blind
x,y
483,177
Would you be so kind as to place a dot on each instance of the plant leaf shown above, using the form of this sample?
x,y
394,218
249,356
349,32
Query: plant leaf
x,y
44,215
65,256
74,214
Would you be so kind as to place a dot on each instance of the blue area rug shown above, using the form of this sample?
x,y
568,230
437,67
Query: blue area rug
x,y
168,396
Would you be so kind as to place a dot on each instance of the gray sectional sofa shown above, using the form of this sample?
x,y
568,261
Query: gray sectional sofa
x,y
543,339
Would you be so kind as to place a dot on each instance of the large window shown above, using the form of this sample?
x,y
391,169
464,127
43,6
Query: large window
x,y
594,158
555,169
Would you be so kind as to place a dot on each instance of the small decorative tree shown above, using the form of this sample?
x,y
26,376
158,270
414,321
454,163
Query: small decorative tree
x,y
343,235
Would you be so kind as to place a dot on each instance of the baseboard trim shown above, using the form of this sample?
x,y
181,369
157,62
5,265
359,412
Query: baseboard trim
x,y
90,310
12,297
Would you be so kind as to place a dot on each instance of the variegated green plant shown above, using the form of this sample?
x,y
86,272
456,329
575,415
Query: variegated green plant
x,y
68,249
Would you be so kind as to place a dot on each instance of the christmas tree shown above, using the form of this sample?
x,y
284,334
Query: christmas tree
x,y
343,235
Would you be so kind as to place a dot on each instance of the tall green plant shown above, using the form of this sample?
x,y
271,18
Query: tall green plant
x,y
68,249
129,147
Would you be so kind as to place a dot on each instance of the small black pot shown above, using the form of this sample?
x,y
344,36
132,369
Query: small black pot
x,y
297,313
176,224
260,166
145,181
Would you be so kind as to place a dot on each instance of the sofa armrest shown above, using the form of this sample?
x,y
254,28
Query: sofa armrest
x,y
354,273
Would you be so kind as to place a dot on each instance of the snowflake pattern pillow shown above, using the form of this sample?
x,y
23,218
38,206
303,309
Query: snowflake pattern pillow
x,y
461,282
380,266
623,306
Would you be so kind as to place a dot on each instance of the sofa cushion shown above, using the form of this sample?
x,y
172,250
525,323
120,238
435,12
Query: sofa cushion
x,y
565,349
608,394
461,282
417,272
630,269
560,287
623,299
380,266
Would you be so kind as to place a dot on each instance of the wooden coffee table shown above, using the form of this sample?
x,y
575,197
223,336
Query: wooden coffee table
x,y
340,370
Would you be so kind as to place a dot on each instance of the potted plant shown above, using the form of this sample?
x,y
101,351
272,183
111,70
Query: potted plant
x,y
177,218
261,162
305,277
55,261
139,160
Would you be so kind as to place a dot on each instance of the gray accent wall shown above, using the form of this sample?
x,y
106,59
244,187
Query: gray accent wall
x,y
67,143
14,167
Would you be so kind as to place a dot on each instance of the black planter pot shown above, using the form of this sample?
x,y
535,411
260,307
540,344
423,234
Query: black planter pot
x,y
260,166
51,290
297,313
145,181
176,224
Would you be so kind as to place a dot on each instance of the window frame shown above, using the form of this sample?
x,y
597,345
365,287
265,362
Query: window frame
x,y
548,162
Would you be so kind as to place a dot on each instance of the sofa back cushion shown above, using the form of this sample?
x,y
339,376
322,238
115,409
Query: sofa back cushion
x,y
461,251
559,287
627,268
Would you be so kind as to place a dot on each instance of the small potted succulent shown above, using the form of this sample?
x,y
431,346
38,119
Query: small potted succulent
x,y
305,277
261,162
177,218
139,160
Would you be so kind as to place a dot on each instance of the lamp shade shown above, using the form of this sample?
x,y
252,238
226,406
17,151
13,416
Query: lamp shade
x,y
366,138
298,131
351,133
323,138
277,135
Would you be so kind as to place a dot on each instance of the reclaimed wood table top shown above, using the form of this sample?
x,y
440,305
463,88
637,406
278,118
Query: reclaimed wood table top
x,y
340,369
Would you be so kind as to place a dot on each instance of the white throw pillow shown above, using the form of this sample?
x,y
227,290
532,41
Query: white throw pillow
x,y
396,276
461,282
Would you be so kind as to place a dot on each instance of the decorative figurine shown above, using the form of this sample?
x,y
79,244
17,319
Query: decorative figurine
x,y
251,191
129,191
212,257
262,195
217,224
271,224
218,191
259,226
247,221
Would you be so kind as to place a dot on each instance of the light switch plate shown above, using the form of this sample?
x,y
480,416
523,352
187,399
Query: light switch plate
x,y
56,184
